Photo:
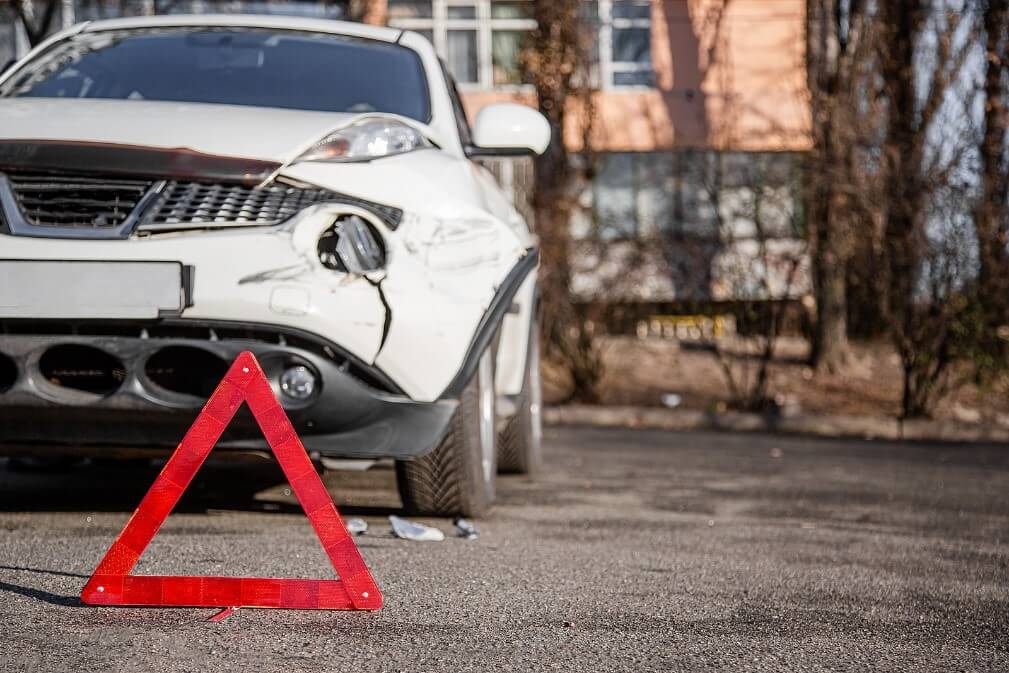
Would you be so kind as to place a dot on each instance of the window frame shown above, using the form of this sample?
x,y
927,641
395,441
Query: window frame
x,y
608,67
484,24
458,109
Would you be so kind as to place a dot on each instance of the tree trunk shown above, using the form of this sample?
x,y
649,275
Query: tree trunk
x,y
828,76
906,188
831,352
993,213
553,61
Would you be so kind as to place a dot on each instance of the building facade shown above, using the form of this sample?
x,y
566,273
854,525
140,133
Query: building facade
x,y
701,117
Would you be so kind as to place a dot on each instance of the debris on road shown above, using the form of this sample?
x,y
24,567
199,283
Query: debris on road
x,y
222,615
672,400
411,530
466,528
356,526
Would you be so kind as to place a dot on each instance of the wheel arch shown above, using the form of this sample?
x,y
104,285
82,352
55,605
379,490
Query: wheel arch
x,y
492,321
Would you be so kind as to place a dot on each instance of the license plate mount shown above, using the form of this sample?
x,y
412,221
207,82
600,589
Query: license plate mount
x,y
90,289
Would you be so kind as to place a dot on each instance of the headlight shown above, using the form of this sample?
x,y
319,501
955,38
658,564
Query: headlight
x,y
351,246
366,139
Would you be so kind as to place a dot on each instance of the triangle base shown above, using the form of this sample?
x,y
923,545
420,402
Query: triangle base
x,y
219,592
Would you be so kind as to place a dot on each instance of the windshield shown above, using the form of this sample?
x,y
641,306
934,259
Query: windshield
x,y
230,66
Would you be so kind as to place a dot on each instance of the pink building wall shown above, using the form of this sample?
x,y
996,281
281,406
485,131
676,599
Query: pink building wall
x,y
730,75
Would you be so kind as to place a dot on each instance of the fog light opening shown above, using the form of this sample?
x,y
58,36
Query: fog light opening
x,y
351,245
298,383
186,370
84,368
8,373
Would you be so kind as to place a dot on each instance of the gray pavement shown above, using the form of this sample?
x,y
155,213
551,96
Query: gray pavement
x,y
636,551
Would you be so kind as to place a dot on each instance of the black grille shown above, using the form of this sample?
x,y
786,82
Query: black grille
x,y
199,204
78,202
195,204
103,205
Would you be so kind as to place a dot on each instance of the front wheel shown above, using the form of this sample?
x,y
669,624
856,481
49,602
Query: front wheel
x,y
458,476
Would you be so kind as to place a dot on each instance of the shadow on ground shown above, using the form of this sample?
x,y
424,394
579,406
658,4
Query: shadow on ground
x,y
241,486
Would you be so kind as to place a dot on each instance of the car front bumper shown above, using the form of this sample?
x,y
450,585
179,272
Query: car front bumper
x,y
135,386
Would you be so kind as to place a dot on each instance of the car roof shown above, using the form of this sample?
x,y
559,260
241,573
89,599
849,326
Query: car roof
x,y
249,21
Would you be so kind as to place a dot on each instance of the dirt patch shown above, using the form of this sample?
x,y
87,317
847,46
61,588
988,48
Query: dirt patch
x,y
640,371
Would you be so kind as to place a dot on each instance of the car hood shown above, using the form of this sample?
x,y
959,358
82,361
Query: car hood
x,y
263,134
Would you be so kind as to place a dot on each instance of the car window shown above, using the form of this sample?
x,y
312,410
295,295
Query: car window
x,y
461,121
231,66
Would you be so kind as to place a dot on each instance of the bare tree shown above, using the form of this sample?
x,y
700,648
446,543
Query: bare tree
x,y
992,218
762,256
837,47
922,48
556,61
761,266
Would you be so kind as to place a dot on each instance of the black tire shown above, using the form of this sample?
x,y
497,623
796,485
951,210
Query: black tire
x,y
520,447
454,479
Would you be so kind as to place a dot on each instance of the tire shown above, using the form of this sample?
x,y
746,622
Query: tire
x,y
457,478
520,447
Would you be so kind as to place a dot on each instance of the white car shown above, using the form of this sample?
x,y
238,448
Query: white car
x,y
175,190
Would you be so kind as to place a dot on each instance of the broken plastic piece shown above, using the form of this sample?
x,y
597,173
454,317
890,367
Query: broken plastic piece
x,y
356,526
411,530
466,528
671,400
222,615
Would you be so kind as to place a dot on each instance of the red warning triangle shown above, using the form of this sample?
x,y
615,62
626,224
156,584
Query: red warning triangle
x,y
111,583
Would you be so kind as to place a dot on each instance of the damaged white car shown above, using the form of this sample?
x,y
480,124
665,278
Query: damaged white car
x,y
176,190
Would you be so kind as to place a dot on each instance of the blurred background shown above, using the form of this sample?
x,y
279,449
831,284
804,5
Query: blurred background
x,y
775,206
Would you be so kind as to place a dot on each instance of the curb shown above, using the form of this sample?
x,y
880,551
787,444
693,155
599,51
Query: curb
x,y
861,427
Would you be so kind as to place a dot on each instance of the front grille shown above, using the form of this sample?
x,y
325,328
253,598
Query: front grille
x,y
196,203
184,205
76,202
106,207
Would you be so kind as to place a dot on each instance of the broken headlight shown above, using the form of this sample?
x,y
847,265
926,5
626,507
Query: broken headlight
x,y
352,246
367,139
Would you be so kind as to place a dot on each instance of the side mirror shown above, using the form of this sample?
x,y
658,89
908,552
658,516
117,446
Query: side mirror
x,y
509,129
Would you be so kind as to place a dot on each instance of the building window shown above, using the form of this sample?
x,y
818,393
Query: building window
x,y
480,40
698,194
621,48
625,43
96,10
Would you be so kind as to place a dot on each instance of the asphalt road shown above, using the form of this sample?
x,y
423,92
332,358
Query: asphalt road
x,y
636,551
